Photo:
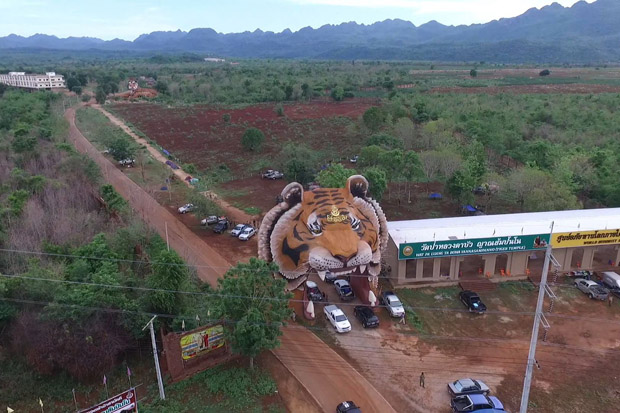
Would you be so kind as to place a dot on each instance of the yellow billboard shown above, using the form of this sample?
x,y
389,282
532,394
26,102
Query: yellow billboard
x,y
585,238
202,341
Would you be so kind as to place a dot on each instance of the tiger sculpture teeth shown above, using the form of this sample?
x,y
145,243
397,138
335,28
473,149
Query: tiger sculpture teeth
x,y
337,230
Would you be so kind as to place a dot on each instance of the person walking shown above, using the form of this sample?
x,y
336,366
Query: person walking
x,y
402,319
422,380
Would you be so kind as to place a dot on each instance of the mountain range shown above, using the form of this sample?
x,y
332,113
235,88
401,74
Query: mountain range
x,y
585,32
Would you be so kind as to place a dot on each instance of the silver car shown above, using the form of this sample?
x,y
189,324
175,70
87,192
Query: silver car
x,y
467,386
592,289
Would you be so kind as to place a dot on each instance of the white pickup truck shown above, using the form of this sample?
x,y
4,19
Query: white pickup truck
x,y
337,318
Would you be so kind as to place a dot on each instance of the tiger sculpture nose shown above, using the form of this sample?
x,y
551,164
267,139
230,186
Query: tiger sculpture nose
x,y
344,259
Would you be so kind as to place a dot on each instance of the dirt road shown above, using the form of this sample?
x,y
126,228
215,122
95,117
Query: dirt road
x,y
301,352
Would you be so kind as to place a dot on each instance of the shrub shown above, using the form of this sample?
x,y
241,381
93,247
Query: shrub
x,y
545,72
252,139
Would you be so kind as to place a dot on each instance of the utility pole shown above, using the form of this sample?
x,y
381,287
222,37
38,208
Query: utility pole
x,y
531,357
160,383
167,242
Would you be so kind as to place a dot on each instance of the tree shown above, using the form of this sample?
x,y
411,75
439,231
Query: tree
x,y
377,180
412,170
161,87
386,141
545,72
306,93
429,162
338,93
169,274
255,305
100,95
460,185
252,139
288,92
374,118
204,206
334,177
113,200
473,73
121,148
298,162
370,155
404,130
72,82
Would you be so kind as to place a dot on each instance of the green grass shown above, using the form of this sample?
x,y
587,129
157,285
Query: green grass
x,y
252,210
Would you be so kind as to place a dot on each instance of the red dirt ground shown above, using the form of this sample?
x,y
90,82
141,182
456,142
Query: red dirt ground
x,y
525,89
199,134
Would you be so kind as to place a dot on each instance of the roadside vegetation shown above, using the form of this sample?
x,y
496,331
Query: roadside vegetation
x,y
80,275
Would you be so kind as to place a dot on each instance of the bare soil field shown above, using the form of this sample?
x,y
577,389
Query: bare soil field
x,y
200,134
569,88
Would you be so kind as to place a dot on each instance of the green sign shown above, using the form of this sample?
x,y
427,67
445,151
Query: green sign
x,y
477,246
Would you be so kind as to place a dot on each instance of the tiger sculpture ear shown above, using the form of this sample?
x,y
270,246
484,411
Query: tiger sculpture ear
x,y
358,186
292,194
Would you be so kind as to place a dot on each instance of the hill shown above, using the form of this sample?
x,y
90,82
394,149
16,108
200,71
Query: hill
x,y
553,34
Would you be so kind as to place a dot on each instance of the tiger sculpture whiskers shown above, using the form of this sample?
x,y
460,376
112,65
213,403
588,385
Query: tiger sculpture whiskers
x,y
341,230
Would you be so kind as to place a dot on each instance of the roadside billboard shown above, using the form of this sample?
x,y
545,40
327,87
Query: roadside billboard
x,y
124,402
475,246
585,238
202,341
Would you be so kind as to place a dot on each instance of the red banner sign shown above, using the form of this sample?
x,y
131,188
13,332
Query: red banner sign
x,y
123,402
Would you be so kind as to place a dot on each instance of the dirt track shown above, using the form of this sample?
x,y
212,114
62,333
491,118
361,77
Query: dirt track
x,y
301,352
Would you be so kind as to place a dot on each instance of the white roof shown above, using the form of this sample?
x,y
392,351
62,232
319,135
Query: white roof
x,y
487,226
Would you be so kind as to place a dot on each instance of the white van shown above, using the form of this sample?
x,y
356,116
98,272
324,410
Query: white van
x,y
611,279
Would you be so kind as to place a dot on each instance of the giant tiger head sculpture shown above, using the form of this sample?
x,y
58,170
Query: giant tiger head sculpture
x,y
340,230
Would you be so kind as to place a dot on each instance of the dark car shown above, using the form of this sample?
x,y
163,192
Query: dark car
x,y
221,226
344,290
313,292
472,301
366,316
348,407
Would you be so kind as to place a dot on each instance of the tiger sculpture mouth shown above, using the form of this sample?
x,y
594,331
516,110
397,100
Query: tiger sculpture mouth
x,y
340,230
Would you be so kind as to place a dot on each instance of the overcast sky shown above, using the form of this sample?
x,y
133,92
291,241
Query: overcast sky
x,y
127,19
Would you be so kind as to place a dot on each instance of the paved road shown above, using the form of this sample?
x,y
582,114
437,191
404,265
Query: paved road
x,y
326,375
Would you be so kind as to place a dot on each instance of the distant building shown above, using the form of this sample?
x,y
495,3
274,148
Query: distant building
x,y
214,59
49,80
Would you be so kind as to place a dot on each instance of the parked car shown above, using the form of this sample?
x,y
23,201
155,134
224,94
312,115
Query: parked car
x,y
611,280
592,289
348,407
366,316
221,226
472,301
392,303
129,162
272,174
337,318
330,277
186,208
354,159
467,386
344,290
211,219
313,293
477,403
237,230
580,274
247,233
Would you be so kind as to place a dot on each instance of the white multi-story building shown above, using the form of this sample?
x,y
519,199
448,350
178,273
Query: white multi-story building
x,y
49,80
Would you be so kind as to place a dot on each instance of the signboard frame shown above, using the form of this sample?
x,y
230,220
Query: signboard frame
x,y
201,341
586,238
472,246
119,403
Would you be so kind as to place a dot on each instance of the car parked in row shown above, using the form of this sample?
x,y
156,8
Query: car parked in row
x,y
392,303
366,316
186,208
247,233
472,301
476,403
313,293
211,219
237,230
467,386
337,318
344,290
581,274
129,162
592,289
221,226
